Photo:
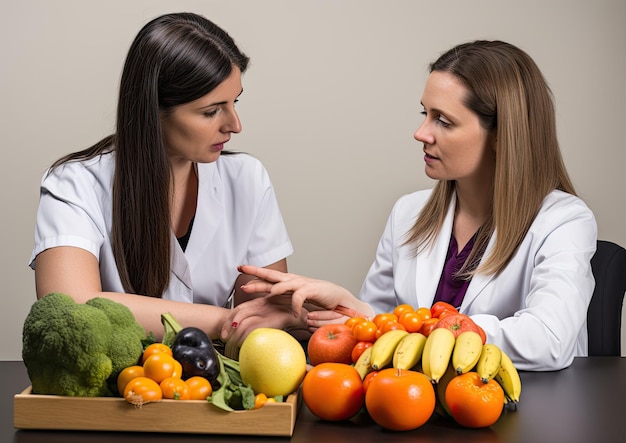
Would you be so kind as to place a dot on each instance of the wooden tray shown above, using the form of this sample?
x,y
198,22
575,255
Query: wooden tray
x,y
32,411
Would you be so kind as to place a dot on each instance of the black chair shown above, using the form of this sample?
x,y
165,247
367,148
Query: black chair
x,y
604,316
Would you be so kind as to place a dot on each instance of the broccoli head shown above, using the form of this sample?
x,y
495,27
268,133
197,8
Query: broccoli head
x,y
78,349
126,336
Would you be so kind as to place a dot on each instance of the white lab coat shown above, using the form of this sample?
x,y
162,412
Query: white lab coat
x,y
237,221
535,309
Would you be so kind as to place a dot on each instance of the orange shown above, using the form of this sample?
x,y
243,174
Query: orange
x,y
333,391
400,400
472,403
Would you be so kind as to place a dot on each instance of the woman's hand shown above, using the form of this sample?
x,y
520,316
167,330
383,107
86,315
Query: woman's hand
x,y
271,312
321,293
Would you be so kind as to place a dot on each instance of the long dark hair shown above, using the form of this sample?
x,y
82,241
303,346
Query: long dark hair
x,y
175,59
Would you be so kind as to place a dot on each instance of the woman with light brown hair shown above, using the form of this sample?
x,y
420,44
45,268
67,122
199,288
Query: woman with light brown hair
x,y
502,236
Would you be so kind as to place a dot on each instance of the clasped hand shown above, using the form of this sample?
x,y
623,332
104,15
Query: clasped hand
x,y
323,301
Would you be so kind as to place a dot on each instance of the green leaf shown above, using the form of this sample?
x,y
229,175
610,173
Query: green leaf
x,y
217,398
148,340
247,396
232,394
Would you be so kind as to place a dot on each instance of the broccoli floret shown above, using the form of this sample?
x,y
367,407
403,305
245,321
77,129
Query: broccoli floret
x,y
79,349
127,334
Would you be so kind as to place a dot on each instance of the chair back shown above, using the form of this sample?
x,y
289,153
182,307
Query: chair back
x,y
604,316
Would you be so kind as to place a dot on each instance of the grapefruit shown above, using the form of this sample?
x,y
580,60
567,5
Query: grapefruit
x,y
272,362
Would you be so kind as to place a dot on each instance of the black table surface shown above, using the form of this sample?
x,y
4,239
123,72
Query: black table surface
x,y
583,403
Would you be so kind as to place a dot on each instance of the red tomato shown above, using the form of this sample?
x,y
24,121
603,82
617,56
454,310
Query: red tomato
x,y
400,400
441,306
458,323
482,334
368,379
472,403
331,343
333,391
428,325
445,313
359,348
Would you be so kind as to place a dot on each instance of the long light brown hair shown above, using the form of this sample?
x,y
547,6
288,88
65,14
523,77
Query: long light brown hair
x,y
174,59
509,94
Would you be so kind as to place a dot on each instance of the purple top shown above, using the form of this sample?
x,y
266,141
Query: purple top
x,y
451,289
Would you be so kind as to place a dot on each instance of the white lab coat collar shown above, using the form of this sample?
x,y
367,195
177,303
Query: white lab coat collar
x,y
432,263
479,281
208,217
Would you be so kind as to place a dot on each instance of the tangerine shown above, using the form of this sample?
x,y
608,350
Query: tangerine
x,y
333,391
399,399
472,403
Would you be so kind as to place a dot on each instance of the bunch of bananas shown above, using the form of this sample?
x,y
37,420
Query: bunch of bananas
x,y
440,353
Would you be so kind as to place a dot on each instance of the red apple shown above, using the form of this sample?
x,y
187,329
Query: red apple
x,y
331,343
458,323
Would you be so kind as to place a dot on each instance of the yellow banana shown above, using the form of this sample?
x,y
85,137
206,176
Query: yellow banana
x,y
409,351
489,362
384,347
437,353
442,405
467,349
363,364
509,379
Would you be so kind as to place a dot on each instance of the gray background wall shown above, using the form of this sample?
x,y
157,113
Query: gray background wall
x,y
330,105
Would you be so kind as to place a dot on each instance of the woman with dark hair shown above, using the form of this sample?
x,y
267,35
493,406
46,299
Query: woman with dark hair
x,y
502,236
159,209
